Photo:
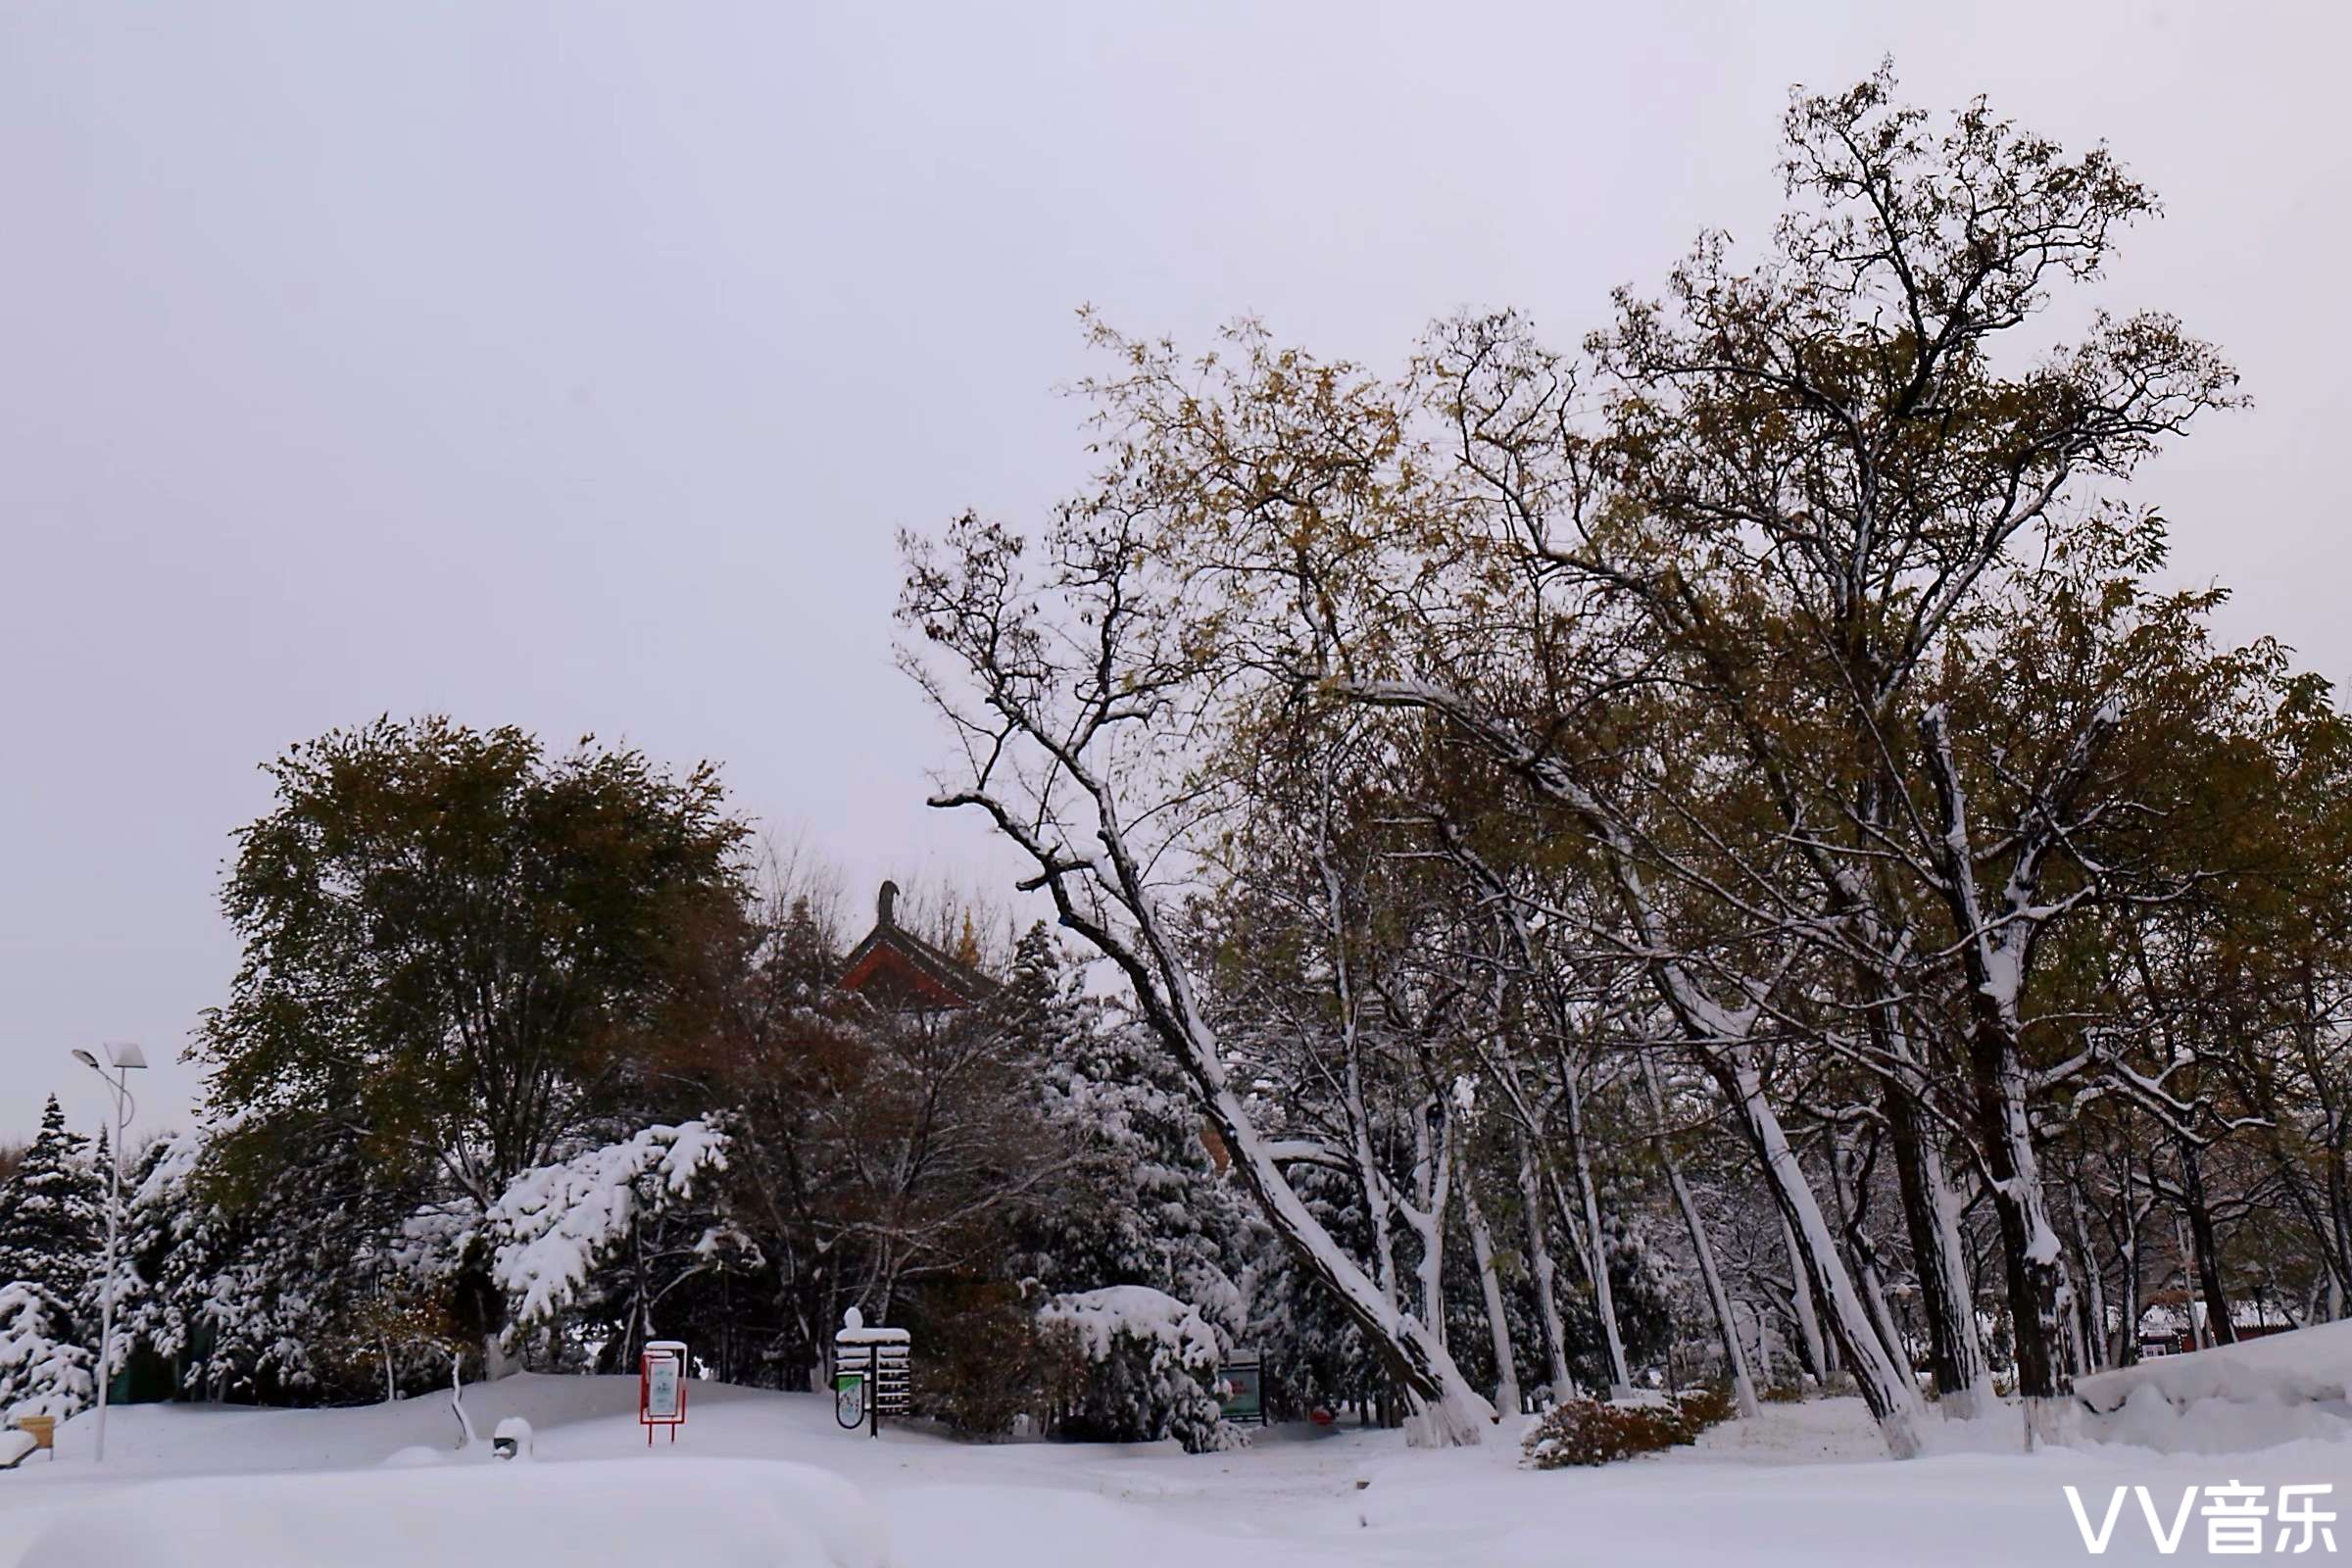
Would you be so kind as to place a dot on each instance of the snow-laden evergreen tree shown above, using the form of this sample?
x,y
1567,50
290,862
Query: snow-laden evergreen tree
x,y
1152,1365
267,1292
1144,1204
592,1227
1315,1355
161,1217
53,1214
43,1370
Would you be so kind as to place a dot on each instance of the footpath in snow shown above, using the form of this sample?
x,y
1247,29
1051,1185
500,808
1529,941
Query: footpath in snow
x,y
196,1487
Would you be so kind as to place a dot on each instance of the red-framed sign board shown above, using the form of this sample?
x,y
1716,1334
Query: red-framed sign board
x,y
661,1387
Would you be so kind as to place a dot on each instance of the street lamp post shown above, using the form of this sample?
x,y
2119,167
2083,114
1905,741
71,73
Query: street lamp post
x,y
125,1056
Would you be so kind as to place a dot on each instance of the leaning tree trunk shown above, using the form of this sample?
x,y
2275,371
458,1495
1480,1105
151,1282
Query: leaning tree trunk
x,y
1445,1410
1845,1185
1886,1389
1727,1323
1800,1302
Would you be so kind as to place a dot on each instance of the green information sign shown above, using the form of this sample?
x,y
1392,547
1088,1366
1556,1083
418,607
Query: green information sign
x,y
1245,1391
849,1399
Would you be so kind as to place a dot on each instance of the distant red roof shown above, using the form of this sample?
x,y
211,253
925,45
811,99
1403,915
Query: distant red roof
x,y
897,968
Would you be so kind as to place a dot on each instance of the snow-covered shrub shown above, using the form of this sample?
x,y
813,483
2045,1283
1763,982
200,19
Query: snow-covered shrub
x,y
1588,1432
1151,1369
1705,1405
42,1372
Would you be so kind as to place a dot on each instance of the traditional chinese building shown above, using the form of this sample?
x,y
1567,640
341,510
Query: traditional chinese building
x,y
893,968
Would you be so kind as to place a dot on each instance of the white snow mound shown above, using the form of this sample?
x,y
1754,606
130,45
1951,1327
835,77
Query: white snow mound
x,y
716,1513
2236,1398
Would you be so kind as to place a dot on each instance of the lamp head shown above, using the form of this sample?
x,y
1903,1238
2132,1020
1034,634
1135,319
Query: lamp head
x,y
84,1057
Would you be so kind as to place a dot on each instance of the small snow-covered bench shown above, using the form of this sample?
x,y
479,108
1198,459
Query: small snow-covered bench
x,y
15,1446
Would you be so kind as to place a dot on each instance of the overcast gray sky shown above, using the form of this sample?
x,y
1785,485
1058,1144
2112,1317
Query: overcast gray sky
x,y
571,365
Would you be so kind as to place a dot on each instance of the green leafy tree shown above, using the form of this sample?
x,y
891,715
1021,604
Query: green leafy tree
x,y
455,945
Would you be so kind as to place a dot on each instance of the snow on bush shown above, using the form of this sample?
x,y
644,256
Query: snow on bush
x,y
1587,1432
1150,1368
42,1372
553,1223
718,1513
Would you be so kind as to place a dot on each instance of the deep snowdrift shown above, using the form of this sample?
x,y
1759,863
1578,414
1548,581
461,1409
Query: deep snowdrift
x,y
2230,1399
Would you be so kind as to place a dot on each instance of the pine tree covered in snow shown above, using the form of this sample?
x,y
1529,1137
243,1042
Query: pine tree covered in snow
x,y
1321,1358
159,1219
1151,1369
258,1287
557,1227
42,1371
1144,1204
53,1214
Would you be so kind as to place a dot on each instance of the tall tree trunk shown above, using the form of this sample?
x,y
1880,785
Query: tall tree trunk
x,y
1605,1299
1374,1190
1490,1284
2094,1282
1932,1221
2130,1218
2193,1204
1994,955
1544,1268
1432,1176
1727,1323
2030,1252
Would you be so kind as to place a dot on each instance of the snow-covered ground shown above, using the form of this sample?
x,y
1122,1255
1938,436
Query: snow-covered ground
x,y
1803,1484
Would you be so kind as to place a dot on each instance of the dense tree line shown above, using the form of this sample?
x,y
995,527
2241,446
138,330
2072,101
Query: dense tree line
x,y
535,1057
1750,754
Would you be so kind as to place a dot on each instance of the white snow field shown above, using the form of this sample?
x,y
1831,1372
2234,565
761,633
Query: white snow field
x,y
201,1487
